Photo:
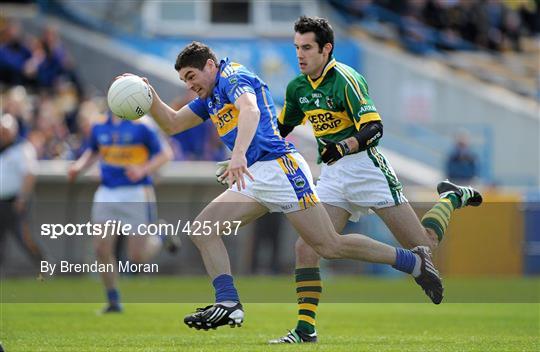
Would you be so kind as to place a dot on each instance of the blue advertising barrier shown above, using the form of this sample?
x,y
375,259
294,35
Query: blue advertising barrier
x,y
274,60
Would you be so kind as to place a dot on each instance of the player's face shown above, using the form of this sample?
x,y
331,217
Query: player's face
x,y
199,81
311,58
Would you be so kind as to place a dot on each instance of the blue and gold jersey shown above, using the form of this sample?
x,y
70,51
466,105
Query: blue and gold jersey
x,y
121,145
232,81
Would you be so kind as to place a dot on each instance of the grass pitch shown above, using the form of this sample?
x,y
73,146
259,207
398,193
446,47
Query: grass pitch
x,y
46,326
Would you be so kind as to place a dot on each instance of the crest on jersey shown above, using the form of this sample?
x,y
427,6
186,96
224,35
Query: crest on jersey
x,y
299,182
103,138
127,137
330,102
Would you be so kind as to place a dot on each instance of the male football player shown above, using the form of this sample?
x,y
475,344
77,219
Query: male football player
x,y
355,176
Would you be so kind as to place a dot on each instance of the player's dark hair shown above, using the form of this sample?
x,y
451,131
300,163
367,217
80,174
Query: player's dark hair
x,y
320,26
195,55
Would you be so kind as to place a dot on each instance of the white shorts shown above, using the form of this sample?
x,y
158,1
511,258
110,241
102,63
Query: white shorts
x,y
133,205
282,185
360,182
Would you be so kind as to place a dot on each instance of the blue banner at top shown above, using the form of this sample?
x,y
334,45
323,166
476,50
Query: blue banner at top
x,y
274,60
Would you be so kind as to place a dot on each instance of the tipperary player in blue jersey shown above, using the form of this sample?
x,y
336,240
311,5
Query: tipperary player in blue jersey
x,y
269,176
129,152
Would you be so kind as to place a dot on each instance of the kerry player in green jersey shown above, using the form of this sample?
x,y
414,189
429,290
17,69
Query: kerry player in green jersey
x,y
355,176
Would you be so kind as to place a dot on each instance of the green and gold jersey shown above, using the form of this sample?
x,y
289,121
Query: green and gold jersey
x,y
337,104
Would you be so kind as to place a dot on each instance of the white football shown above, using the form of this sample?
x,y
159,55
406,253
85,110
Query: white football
x,y
129,97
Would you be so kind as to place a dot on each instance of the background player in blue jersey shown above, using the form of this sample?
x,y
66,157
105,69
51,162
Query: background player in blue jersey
x,y
269,175
129,152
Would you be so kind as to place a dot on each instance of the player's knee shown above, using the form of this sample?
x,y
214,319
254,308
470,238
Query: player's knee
x,y
327,251
203,241
329,247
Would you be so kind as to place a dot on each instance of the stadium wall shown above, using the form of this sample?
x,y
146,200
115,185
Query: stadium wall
x,y
420,92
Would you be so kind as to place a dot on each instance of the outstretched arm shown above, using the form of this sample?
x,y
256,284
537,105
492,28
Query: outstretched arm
x,y
169,120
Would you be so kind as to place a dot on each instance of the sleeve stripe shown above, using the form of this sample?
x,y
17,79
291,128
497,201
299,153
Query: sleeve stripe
x,y
356,122
352,82
241,90
348,101
281,117
357,83
227,71
274,128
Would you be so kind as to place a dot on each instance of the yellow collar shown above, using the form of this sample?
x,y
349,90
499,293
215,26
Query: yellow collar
x,y
317,82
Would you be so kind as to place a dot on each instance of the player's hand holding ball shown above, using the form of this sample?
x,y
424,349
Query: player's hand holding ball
x,y
130,97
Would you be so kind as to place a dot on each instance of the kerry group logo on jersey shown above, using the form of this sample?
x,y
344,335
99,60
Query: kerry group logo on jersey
x,y
328,122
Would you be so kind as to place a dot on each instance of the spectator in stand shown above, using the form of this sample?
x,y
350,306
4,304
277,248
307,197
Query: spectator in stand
x,y
415,36
51,123
496,24
438,15
463,20
19,165
364,10
50,62
462,163
88,115
67,102
55,62
398,7
16,102
14,53
529,12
